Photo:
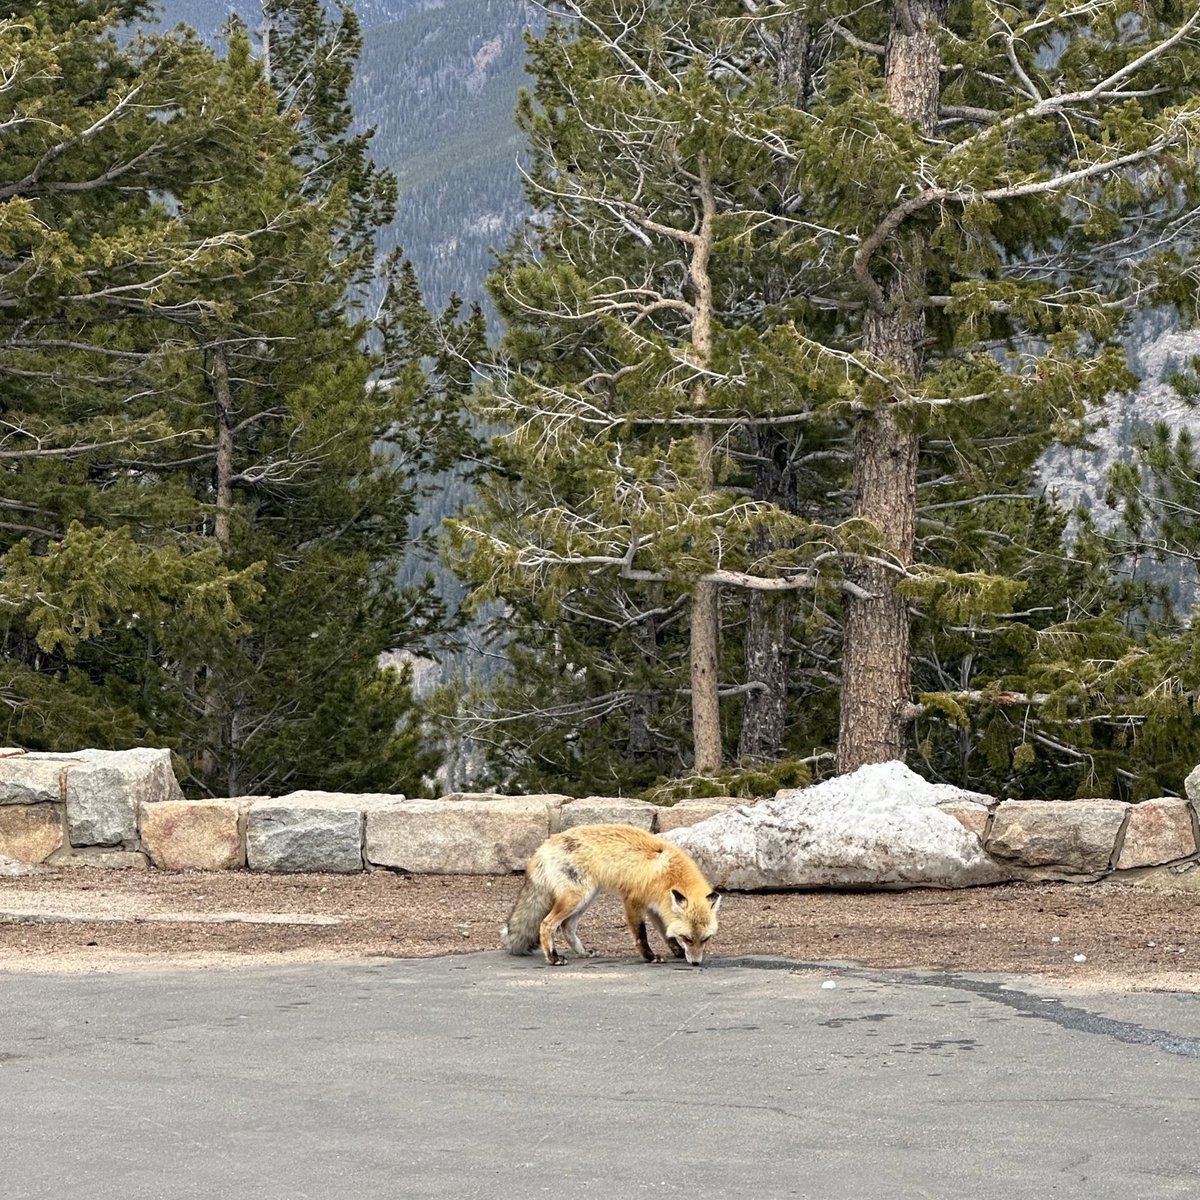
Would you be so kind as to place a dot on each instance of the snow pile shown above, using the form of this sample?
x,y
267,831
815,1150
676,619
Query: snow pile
x,y
880,826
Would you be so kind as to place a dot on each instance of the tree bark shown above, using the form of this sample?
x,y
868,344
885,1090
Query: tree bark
x,y
764,712
769,619
792,56
707,750
644,710
223,395
876,686
706,704
216,710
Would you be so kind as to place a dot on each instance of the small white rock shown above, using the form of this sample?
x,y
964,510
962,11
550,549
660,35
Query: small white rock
x,y
829,984
1080,958
1055,940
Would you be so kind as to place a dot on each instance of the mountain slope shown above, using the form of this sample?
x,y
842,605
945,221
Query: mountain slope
x,y
440,85
207,16
439,82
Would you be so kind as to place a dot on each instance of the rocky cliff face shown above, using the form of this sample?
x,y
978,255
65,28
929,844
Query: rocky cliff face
x,y
439,85
1158,349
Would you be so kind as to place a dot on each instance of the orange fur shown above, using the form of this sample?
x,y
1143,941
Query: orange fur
x,y
656,879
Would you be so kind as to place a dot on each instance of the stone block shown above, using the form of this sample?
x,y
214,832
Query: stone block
x,y
1177,877
194,835
605,810
34,778
12,867
1191,786
1068,836
969,814
686,813
483,797
105,788
311,831
1159,831
99,856
463,837
30,832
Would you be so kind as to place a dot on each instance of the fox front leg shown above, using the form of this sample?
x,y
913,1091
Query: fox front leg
x,y
635,917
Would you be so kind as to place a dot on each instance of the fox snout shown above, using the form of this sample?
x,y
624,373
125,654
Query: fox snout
x,y
692,947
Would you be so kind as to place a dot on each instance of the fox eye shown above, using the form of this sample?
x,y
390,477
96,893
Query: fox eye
x,y
682,937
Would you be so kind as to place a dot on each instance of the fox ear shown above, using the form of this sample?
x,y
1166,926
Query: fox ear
x,y
714,900
678,901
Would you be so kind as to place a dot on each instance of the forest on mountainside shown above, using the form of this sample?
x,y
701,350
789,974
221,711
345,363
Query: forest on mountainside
x,y
793,309
438,81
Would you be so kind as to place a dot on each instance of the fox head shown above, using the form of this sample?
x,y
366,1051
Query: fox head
x,y
692,922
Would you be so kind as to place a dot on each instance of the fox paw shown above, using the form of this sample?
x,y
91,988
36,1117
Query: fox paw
x,y
556,959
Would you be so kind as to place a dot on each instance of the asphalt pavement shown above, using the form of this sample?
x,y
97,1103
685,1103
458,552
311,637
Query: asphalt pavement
x,y
488,1076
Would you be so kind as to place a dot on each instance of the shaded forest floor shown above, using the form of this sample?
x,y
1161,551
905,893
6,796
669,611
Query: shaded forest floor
x,y
81,920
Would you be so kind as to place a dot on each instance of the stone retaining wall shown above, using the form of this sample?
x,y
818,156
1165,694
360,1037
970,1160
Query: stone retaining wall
x,y
125,809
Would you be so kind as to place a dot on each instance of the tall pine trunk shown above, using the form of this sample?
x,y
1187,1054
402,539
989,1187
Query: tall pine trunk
x,y
223,482
216,708
876,687
769,621
769,618
706,597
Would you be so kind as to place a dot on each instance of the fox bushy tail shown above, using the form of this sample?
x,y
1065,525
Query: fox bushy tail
x,y
522,931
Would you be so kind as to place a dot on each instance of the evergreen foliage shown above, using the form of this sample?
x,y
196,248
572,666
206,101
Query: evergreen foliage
x,y
207,517
807,293
904,297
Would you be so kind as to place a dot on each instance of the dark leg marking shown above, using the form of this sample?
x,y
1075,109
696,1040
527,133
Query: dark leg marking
x,y
643,943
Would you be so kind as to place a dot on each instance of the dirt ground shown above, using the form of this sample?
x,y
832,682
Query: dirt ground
x,y
81,920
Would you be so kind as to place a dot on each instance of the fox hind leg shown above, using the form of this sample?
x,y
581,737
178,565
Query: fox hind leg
x,y
566,905
571,927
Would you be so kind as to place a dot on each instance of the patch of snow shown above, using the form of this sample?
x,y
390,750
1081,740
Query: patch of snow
x,y
880,826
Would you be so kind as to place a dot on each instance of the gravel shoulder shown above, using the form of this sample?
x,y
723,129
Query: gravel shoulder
x,y
89,920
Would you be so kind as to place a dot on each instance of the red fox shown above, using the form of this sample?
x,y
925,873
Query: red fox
x,y
656,879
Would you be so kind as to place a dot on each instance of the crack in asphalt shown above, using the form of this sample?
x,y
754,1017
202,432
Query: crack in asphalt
x,y
1066,1016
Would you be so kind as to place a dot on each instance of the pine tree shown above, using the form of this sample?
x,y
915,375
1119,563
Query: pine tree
x,y
620,380
104,579
238,487
965,201
306,472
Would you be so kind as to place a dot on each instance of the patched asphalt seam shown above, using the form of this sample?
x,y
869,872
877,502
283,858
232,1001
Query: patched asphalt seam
x,y
1066,1016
